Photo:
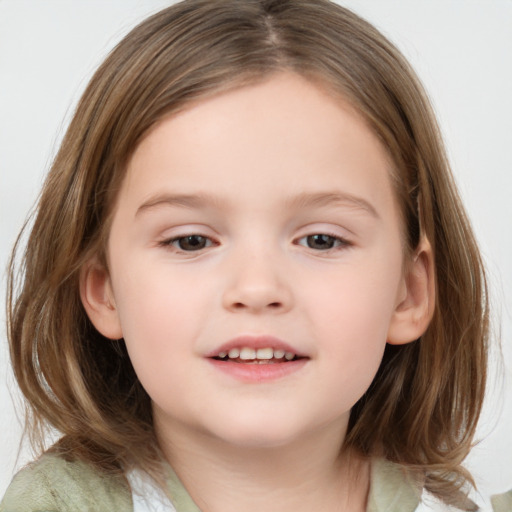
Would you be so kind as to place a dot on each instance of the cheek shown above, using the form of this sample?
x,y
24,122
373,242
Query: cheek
x,y
159,318
360,300
353,319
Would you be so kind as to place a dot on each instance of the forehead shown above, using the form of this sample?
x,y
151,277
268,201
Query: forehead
x,y
262,146
283,122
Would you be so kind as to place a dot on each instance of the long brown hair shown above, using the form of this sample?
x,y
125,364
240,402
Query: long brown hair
x,y
422,408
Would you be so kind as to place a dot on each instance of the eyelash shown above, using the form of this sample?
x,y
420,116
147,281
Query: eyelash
x,y
337,242
174,242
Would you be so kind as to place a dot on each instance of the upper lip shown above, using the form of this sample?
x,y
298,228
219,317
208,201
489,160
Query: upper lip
x,y
255,342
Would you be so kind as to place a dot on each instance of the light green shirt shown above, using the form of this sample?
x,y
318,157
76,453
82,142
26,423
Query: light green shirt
x,y
502,502
55,485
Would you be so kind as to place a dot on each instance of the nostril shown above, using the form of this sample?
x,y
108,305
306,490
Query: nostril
x,y
271,305
256,297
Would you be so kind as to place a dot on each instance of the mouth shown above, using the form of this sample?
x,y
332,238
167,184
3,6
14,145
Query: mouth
x,y
264,355
257,359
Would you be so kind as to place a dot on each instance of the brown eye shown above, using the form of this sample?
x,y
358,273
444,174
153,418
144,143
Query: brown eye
x,y
190,243
322,242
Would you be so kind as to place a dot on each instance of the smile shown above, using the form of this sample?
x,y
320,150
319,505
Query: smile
x,y
257,359
248,355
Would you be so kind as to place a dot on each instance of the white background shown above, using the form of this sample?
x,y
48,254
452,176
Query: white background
x,y
462,51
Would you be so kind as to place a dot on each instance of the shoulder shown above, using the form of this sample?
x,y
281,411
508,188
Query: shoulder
x,y
502,502
397,488
57,485
392,487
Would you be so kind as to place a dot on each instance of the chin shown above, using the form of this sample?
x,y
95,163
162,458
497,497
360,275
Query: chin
x,y
258,440
260,433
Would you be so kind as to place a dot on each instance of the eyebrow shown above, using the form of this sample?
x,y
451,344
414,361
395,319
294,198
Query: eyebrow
x,y
183,200
303,200
319,199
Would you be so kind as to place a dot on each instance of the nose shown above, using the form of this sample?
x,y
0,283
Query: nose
x,y
257,284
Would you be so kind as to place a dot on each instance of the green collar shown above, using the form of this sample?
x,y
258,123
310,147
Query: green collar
x,y
392,489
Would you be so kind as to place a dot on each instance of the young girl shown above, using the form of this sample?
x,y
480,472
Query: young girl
x,y
250,284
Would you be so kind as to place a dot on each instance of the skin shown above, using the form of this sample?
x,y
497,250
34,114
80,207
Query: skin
x,y
257,172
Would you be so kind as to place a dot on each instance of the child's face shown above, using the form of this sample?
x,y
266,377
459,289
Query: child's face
x,y
263,218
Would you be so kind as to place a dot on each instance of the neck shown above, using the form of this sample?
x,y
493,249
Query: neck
x,y
310,474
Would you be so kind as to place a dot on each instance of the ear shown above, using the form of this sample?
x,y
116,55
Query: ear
x,y
416,301
98,299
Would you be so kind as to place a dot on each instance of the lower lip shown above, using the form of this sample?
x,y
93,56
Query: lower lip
x,y
254,372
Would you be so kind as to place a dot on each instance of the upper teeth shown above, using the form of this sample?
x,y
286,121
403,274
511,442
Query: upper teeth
x,y
247,354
